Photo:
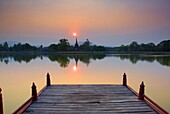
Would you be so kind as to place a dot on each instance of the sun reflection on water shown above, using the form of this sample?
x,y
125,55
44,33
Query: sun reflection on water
x,y
74,68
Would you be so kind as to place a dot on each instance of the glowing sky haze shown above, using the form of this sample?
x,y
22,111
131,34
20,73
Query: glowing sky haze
x,y
104,22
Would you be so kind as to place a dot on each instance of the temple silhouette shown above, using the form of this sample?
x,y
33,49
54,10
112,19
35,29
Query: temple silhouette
x,y
76,46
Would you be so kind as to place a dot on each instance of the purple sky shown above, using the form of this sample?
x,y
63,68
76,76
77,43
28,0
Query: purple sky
x,y
103,22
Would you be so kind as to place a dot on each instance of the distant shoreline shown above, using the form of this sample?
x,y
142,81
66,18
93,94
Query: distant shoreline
x,y
64,47
83,52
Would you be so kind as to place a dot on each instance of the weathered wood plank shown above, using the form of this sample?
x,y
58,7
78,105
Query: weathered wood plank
x,y
97,99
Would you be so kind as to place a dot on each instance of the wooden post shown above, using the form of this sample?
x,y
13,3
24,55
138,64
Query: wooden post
x,y
34,92
141,91
48,80
124,80
1,103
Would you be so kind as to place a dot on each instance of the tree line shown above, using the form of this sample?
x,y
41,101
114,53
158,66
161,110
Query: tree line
x,y
64,45
163,46
18,47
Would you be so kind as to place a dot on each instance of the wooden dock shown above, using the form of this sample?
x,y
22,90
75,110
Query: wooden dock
x,y
88,98
80,99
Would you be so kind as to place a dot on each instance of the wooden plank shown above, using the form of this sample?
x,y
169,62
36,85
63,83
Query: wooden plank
x,y
77,99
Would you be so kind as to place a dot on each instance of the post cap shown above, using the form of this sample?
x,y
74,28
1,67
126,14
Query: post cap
x,y
33,85
142,84
124,80
124,75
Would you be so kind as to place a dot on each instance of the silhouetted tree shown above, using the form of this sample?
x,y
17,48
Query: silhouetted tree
x,y
98,48
134,46
17,47
5,46
147,47
164,46
40,48
63,45
1,47
53,48
23,47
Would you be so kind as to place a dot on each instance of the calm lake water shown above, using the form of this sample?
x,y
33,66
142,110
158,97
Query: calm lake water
x,y
17,72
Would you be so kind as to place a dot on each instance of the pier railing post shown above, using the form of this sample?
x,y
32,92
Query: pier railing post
x,y
48,80
34,92
124,79
141,91
1,102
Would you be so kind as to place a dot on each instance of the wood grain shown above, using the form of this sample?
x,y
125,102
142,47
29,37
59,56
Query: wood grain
x,y
91,99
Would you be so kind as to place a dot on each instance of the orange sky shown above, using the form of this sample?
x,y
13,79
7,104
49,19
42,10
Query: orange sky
x,y
102,21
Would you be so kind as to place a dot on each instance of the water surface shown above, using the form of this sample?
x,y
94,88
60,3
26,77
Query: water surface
x,y
17,72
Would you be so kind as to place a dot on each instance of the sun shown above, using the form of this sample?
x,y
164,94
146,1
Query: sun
x,y
74,34
74,68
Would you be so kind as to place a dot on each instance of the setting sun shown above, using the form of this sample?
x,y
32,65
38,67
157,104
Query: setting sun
x,y
74,34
